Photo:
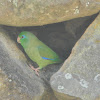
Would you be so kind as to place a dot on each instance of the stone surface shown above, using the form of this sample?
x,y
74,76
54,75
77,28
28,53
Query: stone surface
x,y
80,74
41,12
8,89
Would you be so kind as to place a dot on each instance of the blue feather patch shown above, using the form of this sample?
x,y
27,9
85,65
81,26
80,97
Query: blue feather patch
x,y
47,58
24,36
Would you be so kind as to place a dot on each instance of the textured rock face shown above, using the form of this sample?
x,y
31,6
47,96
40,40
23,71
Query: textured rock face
x,y
9,91
80,74
40,12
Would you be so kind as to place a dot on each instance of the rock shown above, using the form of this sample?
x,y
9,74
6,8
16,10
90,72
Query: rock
x,y
8,89
98,98
80,74
19,82
39,12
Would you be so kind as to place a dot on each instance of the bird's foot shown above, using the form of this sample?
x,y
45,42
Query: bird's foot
x,y
35,69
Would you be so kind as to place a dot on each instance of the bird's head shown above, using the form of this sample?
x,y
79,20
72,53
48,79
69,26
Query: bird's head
x,y
23,37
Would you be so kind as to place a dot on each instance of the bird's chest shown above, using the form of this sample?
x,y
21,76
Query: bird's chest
x,y
32,53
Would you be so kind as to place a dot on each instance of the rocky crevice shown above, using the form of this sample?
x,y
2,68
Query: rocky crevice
x,y
60,37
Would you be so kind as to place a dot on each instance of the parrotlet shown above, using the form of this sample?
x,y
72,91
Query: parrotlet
x,y
37,50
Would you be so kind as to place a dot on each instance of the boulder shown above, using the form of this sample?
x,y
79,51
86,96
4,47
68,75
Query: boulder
x,y
79,77
41,12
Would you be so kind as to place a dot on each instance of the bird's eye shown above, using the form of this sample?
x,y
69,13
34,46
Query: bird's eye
x,y
22,36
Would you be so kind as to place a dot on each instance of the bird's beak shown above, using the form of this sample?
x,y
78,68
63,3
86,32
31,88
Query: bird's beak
x,y
18,40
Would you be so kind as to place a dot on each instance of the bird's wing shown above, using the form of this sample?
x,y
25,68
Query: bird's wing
x,y
46,53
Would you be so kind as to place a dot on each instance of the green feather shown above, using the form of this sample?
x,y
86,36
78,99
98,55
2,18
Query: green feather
x,y
37,50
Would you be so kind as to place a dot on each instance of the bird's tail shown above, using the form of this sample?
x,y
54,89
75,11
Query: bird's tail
x,y
58,60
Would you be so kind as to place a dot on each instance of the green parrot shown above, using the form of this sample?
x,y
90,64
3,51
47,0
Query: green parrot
x,y
37,50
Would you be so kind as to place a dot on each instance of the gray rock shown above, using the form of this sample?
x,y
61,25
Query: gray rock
x,y
80,74
39,12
